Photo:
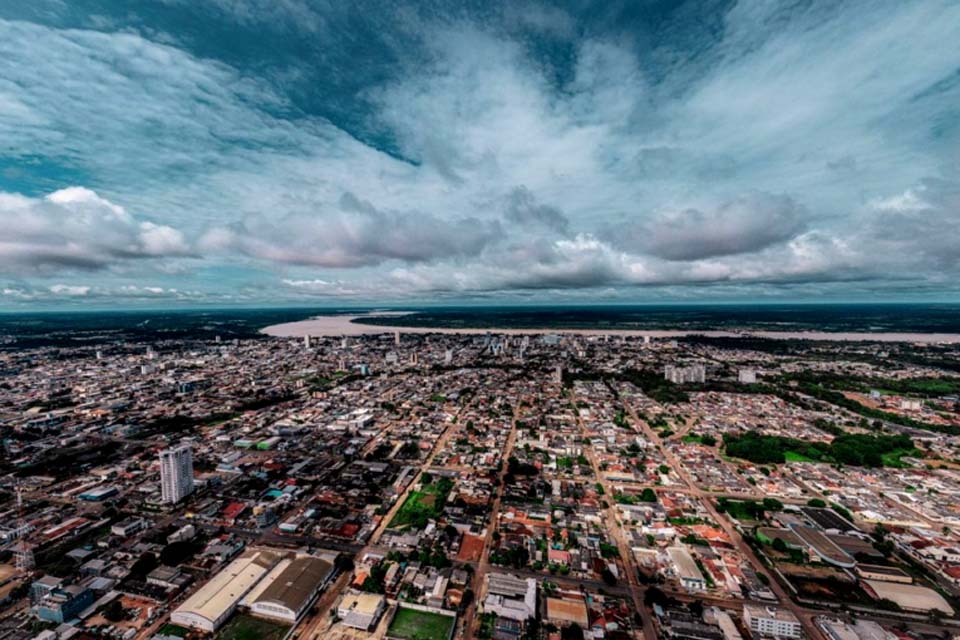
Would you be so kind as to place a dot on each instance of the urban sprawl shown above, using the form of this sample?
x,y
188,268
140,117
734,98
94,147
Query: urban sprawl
x,y
440,486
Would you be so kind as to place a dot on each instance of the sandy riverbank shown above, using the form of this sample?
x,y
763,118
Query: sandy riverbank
x,y
345,326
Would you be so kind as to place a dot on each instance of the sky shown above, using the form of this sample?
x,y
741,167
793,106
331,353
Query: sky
x,y
275,152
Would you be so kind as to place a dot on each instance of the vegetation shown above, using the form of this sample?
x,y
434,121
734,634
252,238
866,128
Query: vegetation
x,y
245,627
824,386
647,495
747,509
654,385
858,450
411,624
424,505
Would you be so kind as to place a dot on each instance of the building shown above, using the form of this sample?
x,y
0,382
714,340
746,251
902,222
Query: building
x,y
128,527
687,570
911,404
64,603
563,612
361,610
860,630
910,597
771,622
511,597
680,375
747,376
211,605
176,473
99,494
44,586
287,591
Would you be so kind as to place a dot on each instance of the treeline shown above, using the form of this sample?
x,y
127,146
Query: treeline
x,y
813,386
857,450
654,385
927,387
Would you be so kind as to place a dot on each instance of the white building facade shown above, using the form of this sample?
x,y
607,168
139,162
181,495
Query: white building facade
x,y
176,473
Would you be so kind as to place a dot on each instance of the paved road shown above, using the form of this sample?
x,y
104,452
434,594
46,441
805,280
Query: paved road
x,y
615,529
483,567
312,625
805,616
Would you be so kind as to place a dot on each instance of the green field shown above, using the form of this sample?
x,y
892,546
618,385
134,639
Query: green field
x,y
249,628
423,505
794,456
892,458
170,629
410,624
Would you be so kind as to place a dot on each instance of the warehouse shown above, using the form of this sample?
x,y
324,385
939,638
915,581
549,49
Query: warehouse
x,y
289,589
209,608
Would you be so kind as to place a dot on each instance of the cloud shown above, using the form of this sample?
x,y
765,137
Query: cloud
x,y
743,225
69,290
482,148
76,228
523,209
354,234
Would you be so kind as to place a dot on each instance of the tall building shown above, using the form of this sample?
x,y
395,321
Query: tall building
x,y
176,473
680,375
306,341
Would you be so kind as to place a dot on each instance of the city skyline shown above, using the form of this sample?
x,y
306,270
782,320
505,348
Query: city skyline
x,y
253,153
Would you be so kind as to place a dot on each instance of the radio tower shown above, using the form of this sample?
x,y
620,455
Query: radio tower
x,y
23,552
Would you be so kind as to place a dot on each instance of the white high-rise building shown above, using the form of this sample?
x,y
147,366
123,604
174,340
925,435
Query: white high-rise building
x,y
176,473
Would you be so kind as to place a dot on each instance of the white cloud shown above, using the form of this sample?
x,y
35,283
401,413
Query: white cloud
x,y
745,224
76,228
354,234
613,165
69,290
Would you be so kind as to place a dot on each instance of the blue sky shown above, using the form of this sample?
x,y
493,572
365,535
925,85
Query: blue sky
x,y
295,152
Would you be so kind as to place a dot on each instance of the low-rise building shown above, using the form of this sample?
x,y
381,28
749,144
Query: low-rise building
x,y
771,622
361,610
289,589
511,597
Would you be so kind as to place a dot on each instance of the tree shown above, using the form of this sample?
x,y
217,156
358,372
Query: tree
x,y
532,630
344,563
817,503
176,552
114,611
696,608
573,632
144,565
608,577
772,504
467,599
648,495
708,440
779,545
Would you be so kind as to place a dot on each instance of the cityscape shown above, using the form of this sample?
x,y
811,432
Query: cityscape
x,y
480,320
419,486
